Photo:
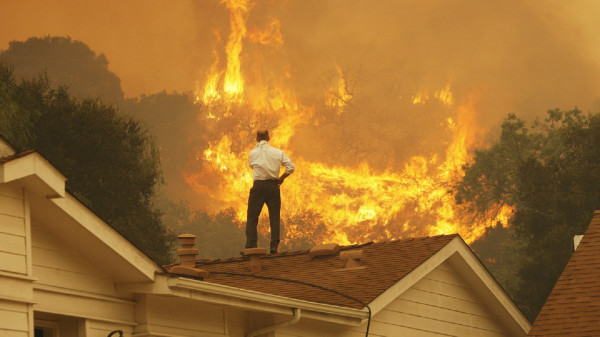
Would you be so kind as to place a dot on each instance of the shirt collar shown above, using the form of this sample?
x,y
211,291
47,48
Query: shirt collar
x,y
262,142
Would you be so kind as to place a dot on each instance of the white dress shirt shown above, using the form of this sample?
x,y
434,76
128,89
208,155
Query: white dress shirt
x,y
266,161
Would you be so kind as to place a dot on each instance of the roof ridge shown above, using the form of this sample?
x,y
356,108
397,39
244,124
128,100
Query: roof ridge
x,y
378,268
235,259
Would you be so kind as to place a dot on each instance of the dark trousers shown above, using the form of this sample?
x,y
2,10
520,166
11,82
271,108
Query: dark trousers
x,y
263,192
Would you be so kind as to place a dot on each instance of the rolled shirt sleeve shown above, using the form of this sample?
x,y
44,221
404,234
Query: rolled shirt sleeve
x,y
287,163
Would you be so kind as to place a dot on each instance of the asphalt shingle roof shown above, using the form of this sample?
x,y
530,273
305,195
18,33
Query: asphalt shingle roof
x,y
573,307
383,265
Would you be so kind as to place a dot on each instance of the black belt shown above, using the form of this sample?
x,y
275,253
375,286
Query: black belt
x,y
268,180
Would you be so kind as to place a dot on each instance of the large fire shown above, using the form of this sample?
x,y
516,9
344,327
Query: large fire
x,y
358,203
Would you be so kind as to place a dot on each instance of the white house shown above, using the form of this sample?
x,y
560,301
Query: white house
x,y
66,273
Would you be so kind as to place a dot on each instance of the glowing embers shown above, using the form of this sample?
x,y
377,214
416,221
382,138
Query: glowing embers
x,y
443,95
338,96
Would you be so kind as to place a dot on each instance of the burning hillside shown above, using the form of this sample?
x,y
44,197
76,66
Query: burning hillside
x,y
348,172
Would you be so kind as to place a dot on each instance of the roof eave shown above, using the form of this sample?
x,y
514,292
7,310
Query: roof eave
x,y
35,173
246,299
470,268
486,287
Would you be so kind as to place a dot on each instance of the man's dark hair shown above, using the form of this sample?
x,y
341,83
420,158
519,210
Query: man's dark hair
x,y
262,135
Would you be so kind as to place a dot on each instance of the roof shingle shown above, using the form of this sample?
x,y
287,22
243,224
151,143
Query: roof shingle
x,y
383,265
573,307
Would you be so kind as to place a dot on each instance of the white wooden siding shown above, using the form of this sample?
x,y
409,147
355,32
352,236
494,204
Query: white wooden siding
x,y
13,230
306,327
16,289
180,317
70,285
14,319
440,304
92,328
57,266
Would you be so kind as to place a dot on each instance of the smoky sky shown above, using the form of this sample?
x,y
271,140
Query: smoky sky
x,y
527,51
515,56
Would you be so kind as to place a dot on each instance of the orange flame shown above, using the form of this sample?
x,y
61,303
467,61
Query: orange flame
x,y
211,93
270,36
356,203
442,95
339,97
233,86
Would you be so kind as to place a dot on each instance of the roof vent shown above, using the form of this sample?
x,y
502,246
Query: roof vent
x,y
324,249
255,254
187,258
353,259
187,254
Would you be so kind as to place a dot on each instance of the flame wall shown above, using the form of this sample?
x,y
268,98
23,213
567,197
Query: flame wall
x,y
379,108
377,102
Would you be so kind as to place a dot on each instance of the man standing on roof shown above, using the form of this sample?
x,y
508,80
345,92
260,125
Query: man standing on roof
x,y
266,162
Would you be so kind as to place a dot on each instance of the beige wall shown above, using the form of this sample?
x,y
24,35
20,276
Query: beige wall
x,y
441,303
14,319
71,286
13,230
172,316
41,279
16,315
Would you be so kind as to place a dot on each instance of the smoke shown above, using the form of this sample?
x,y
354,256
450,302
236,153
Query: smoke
x,y
507,56
150,44
517,57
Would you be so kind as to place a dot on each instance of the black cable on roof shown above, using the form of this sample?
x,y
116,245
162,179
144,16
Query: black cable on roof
x,y
303,283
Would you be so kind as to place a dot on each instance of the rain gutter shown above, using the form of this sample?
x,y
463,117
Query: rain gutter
x,y
294,320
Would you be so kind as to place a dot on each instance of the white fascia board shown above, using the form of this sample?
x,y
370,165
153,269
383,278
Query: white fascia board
x,y
413,277
470,268
108,235
245,299
486,287
33,165
37,173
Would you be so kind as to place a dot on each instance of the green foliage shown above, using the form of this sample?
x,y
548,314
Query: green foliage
x,y
303,230
218,235
497,250
550,174
223,235
109,160
169,117
68,63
